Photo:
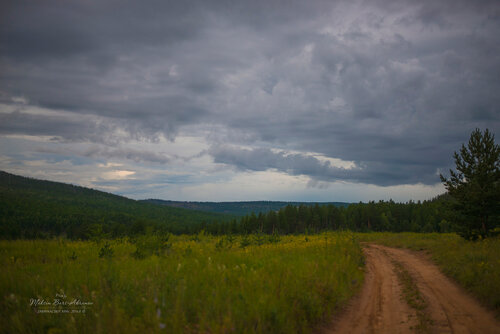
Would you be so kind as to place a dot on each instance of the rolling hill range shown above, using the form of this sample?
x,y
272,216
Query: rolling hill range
x,y
237,208
32,208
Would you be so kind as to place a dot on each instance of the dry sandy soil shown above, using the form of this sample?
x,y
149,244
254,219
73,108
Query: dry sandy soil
x,y
383,307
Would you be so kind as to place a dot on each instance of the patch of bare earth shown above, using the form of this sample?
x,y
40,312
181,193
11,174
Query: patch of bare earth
x,y
404,292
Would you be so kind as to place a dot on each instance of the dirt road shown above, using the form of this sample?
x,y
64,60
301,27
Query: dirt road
x,y
405,293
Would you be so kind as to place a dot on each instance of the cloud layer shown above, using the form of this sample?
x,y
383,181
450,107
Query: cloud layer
x,y
394,87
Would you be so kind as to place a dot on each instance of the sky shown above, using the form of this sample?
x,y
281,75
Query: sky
x,y
216,100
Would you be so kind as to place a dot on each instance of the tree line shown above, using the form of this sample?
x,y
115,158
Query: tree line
x,y
427,216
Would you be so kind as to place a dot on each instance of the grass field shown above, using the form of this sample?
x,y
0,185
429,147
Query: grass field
x,y
179,284
473,264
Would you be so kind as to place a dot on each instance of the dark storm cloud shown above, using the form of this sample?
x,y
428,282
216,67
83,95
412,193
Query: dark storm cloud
x,y
393,86
95,57
66,128
299,164
55,29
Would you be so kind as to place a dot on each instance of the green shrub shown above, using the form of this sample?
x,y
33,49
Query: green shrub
x,y
149,244
106,251
245,241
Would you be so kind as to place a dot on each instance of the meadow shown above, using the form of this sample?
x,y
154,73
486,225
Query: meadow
x,y
177,284
473,264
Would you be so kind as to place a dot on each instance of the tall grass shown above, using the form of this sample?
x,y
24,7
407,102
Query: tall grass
x,y
250,284
473,264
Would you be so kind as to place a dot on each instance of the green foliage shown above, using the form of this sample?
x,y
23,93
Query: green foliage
x,y
274,238
245,241
94,232
198,236
475,186
73,256
220,245
236,208
285,287
381,216
226,242
223,244
106,251
473,264
32,208
40,209
147,245
259,239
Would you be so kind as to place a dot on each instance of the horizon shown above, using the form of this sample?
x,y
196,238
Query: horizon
x,y
345,101
244,201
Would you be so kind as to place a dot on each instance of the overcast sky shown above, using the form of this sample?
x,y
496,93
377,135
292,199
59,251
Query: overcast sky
x,y
246,100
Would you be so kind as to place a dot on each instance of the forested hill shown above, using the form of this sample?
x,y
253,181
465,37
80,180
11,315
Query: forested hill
x,y
31,208
239,208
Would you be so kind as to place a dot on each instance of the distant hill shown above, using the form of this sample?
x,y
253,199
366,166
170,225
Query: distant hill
x,y
31,208
237,208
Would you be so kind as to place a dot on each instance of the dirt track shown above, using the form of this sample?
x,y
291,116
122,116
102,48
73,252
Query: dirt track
x,y
380,307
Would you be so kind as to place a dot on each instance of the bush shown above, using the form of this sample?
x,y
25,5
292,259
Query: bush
x,y
106,251
147,245
245,241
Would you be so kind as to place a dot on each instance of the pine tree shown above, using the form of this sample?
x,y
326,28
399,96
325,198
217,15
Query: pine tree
x,y
475,185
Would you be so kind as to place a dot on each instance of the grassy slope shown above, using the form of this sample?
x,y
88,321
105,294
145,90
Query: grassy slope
x,y
205,284
473,264
30,201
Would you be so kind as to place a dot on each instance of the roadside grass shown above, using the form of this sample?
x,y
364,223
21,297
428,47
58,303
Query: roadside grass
x,y
178,284
473,264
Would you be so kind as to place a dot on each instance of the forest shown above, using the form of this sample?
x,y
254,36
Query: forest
x,y
32,208
426,216
236,208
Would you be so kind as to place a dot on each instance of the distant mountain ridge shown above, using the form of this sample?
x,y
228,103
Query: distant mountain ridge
x,y
241,208
31,208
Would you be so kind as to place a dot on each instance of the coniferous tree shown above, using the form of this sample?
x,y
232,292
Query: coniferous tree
x,y
475,185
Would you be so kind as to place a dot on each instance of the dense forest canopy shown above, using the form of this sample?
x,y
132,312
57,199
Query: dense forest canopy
x,y
32,208
427,216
